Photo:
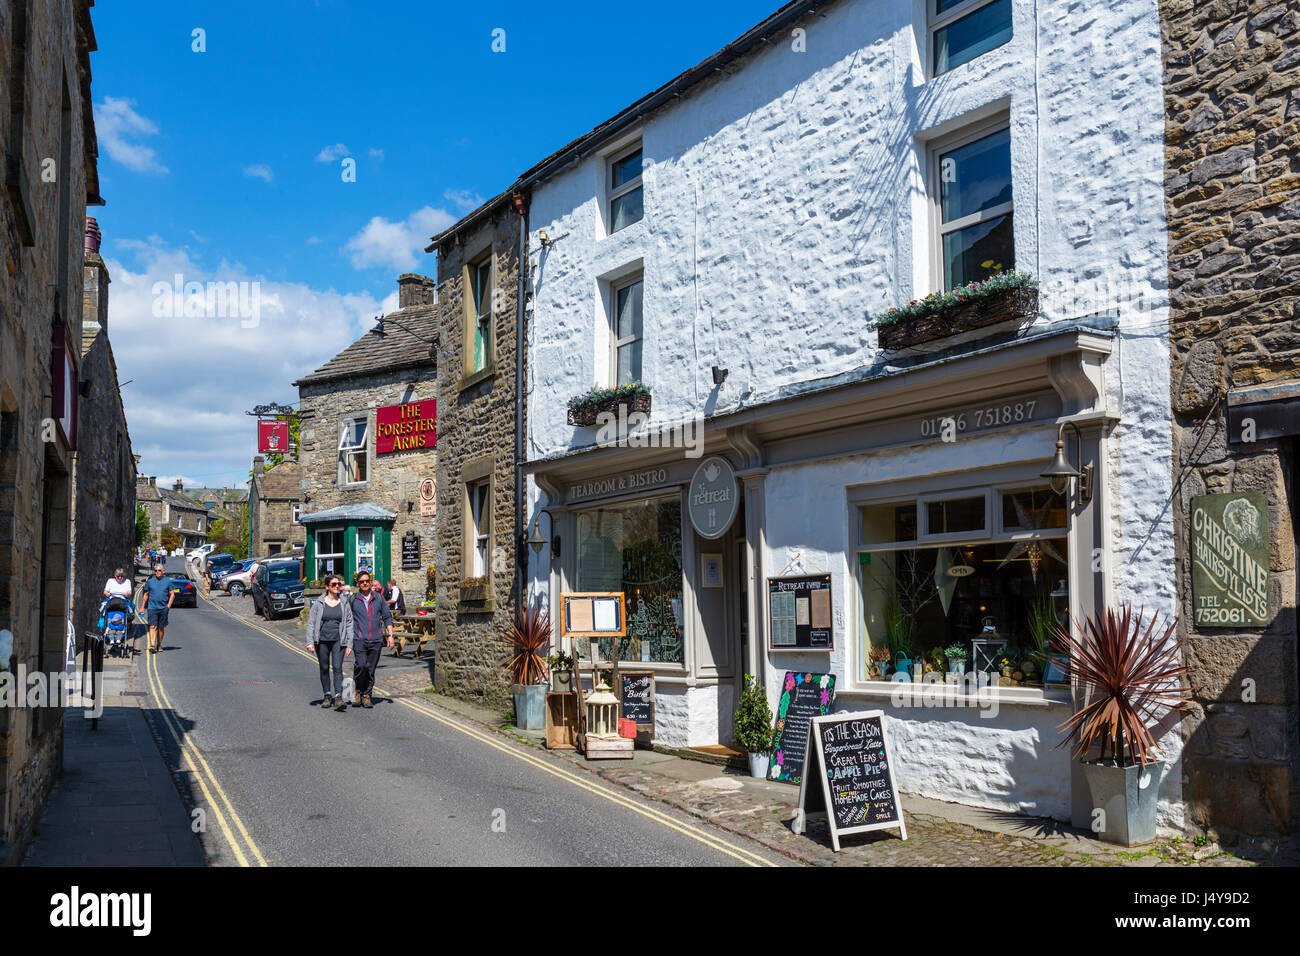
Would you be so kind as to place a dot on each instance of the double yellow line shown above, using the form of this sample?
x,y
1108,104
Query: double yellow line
x,y
581,781
193,760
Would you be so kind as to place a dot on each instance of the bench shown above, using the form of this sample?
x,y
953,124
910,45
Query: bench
x,y
415,630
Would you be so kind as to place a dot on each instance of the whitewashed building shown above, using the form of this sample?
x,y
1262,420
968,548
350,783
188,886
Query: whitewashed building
x,y
732,239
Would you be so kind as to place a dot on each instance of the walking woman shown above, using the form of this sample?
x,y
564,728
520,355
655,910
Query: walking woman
x,y
329,636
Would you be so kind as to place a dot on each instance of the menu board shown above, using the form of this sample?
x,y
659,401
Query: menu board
x,y
410,551
636,692
800,612
592,614
803,697
850,755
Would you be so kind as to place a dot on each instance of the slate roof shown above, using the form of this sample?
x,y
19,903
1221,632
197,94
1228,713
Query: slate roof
x,y
397,349
280,482
178,500
361,512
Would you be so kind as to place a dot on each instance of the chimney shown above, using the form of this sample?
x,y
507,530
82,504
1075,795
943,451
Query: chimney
x,y
259,466
92,235
153,480
178,486
94,289
414,289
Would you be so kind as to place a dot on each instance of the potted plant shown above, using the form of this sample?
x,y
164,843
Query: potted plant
x,y
561,665
956,656
1002,297
1128,673
473,589
753,726
880,661
584,409
528,634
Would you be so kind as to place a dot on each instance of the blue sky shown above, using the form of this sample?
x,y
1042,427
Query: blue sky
x,y
226,165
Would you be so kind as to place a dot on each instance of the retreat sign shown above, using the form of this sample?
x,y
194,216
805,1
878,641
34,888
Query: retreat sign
x,y
1230,536
408,427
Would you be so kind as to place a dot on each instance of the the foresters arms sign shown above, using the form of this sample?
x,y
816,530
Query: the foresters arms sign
x,y
406,427
1230,559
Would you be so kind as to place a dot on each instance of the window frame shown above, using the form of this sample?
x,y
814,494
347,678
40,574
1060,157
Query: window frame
x,y
344,452
476,532
935,149
936,21
479,313
615,343
613,192
341,555
295,513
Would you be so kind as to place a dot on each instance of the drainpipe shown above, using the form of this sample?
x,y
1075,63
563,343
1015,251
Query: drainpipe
x,y
520,201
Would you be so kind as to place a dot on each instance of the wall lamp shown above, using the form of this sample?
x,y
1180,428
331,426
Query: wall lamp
x,y
719,376
380,332
537,540
1059,472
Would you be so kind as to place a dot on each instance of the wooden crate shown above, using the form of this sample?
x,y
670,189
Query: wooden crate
x,y
561,721
610,748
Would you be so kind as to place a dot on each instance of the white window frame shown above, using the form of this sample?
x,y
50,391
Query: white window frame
x,y
935,149
636,182
346,451
374,551
937,21
615,343
340,554
480,527
478,310
295,512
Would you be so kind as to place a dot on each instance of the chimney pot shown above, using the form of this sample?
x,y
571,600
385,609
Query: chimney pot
x,y
92,235
259,465
178,486
414,289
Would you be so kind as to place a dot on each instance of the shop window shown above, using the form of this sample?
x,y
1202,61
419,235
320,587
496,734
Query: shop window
x,y
625,342
1033,508
636,548
964,29
366,550
955,515
973,186
626,194
890,523
480,519
478,304
329,552
354,463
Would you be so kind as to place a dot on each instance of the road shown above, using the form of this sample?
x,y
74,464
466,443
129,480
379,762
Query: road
x,y
282,781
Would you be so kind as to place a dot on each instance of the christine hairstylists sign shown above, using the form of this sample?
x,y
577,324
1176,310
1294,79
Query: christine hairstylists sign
x,y
1230,559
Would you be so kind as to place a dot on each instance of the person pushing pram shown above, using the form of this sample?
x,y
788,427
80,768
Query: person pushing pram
x,y
116,612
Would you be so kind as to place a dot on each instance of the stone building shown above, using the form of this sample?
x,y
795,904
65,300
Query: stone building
x,y
274,504
1232,178
103,517
367,448
47,128
171,508
478,450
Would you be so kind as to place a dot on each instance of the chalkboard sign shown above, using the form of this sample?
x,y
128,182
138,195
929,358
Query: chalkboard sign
x,y
411,551
803,697
636,692
850,755
799,612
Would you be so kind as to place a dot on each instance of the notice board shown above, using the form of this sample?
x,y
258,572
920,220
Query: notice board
x,y
803,697
592,614
848,775
800,611
636,694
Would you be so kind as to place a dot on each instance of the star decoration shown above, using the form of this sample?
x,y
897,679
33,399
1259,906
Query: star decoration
x,y
1034,550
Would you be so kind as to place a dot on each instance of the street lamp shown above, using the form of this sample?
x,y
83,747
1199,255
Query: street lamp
x,y
1060,472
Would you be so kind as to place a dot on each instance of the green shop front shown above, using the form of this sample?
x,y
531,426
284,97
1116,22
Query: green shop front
x,y
349,539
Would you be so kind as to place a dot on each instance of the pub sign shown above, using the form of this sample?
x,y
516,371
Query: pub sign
x,y
408,427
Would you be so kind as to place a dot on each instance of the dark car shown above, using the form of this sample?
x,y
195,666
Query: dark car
x,y
277,587
215,565
184,592
219,576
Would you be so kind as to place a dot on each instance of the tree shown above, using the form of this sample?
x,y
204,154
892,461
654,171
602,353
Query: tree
x,y
227,539
141,525
170,538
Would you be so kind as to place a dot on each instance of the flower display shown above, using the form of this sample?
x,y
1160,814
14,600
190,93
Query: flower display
x,y
961,295
597,395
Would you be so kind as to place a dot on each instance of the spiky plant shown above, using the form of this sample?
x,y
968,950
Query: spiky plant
x,y
529,635
1128,674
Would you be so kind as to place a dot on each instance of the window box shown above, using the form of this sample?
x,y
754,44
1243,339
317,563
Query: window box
x,y
584,409
474,589
979,305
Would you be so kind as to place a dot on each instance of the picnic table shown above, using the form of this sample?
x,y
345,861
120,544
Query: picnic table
x,y
417,629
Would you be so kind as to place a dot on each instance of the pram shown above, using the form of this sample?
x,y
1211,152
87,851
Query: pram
x,y
115,616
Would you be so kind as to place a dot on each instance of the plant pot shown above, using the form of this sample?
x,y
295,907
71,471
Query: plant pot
x,y
530,706
586,415
758,765
967,317
956,667
1127,797
561,681
583,416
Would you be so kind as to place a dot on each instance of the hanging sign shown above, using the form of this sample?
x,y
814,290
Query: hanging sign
x,y
713,498
592,614
406,427
803,697
799,612
636,694
272,437
410,551
848,776
428,500
1230,538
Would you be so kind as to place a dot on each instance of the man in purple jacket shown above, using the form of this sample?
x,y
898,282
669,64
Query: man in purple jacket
x,y
373,620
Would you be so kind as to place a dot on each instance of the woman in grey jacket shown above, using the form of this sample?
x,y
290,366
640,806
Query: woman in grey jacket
x,y
329,636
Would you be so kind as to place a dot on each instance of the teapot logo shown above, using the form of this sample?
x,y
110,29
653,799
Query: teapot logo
x,y
711,472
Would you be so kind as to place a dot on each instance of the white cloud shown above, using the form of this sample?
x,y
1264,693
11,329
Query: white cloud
x,y
375,152
397,245
117,126
330,153
259,171
463,199
194,377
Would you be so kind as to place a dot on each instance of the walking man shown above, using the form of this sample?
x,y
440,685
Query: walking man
x,y
371,618
158,590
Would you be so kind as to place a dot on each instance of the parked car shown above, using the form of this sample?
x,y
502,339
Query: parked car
x,y
277,587
215,564
202,551
238,578
185,592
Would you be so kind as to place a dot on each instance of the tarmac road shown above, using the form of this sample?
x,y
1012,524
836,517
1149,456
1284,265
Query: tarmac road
x,y
283,782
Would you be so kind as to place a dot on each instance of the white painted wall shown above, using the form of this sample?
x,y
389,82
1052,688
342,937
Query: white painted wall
x,y
785,209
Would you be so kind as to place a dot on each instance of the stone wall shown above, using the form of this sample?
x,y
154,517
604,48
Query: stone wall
x,y
476,428
394,482
273,496
1233,203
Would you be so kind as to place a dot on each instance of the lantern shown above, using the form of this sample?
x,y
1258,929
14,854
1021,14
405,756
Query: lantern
x,y
603,711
